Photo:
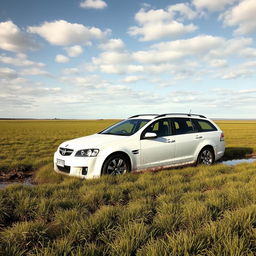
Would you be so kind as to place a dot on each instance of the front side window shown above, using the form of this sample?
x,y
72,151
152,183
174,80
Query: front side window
x,y
161,128
126,127
182,125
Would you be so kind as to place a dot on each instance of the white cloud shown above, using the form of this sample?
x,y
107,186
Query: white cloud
x,y
74,51
174,50
13,39
8,73
63,33
238,72
20,60
132,79
115,62
113,45
157,24
34,72
61,58
212,5
218,63
112,57
94,4
87,81
243,16
249,52
71,71
183,9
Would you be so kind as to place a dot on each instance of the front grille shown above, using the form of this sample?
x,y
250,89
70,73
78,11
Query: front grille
x,y
65,169
66,151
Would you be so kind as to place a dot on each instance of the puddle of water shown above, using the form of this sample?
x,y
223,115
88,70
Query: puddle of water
x,y
27,182
239,161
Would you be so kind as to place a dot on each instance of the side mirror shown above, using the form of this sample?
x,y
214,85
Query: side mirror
x,y
150,135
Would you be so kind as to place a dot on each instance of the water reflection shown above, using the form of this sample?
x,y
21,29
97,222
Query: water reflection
x,y
239,161
28,182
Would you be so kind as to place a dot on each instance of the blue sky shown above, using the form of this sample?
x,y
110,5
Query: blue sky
x,y
112,59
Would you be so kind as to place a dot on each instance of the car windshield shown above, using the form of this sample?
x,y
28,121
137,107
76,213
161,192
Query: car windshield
x,y
125,128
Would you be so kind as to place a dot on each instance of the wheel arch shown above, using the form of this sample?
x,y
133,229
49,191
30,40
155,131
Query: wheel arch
x,y
205,147
117,153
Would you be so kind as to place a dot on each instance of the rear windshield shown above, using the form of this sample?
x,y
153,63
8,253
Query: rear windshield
x,y
126,127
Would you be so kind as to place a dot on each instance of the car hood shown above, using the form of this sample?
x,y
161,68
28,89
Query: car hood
x,y
93,141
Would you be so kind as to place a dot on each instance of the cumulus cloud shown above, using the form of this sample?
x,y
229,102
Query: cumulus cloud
x,y
242,16
20,60
93,4
61,58
113,45
157,24
112,57
174,50
13,39
212,5
74,51
63,33
115,62
184,9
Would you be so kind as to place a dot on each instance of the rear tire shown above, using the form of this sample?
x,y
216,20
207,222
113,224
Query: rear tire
x,y
205,157
116,165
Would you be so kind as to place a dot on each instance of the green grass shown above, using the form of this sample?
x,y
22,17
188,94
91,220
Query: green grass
x,y
31,144
189,211
192,211
240,137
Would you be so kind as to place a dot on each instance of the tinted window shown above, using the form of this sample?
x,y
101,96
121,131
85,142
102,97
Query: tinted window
x,y
205,126
182,125
161,128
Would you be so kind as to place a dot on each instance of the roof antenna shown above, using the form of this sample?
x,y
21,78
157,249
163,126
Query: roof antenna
x,y
190,112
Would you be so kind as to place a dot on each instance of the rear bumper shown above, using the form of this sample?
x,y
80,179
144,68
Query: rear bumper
x,y
219,151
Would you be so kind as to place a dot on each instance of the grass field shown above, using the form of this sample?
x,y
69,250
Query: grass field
x,y
190,211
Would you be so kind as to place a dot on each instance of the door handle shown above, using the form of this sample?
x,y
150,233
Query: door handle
x,y
199,137
171,141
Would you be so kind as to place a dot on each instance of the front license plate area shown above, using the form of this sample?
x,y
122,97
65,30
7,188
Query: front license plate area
x,y
60,162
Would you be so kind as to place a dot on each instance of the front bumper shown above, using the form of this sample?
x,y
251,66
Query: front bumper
x,y
82,167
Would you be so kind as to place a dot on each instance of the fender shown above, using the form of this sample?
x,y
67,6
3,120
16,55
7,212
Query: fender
x,y
109,151
204,143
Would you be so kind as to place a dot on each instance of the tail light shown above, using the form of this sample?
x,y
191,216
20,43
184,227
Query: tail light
x,y
222,137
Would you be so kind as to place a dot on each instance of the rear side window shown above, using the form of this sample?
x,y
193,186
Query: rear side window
x,y
204,125
182,125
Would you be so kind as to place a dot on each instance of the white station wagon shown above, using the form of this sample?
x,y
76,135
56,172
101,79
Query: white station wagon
x,y
142,142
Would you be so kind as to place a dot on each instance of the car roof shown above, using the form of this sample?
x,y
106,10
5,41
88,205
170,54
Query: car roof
x,y
156,116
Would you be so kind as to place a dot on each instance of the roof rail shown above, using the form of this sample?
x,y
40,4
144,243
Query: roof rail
x,y
175,114
143,115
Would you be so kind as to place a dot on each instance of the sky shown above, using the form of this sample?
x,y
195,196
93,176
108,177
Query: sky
x,y
90,59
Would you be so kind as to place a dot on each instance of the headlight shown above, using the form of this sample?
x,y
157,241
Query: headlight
x,y
87,152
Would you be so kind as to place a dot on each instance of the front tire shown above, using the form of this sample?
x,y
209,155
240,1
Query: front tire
x,y
205,157
116,165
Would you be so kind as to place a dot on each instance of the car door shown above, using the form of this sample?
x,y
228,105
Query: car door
x,y
187,139
157,151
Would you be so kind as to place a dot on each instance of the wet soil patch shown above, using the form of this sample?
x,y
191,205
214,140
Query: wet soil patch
x,y
17,175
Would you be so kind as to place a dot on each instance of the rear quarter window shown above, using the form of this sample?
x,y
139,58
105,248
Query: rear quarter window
x,y
205,126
